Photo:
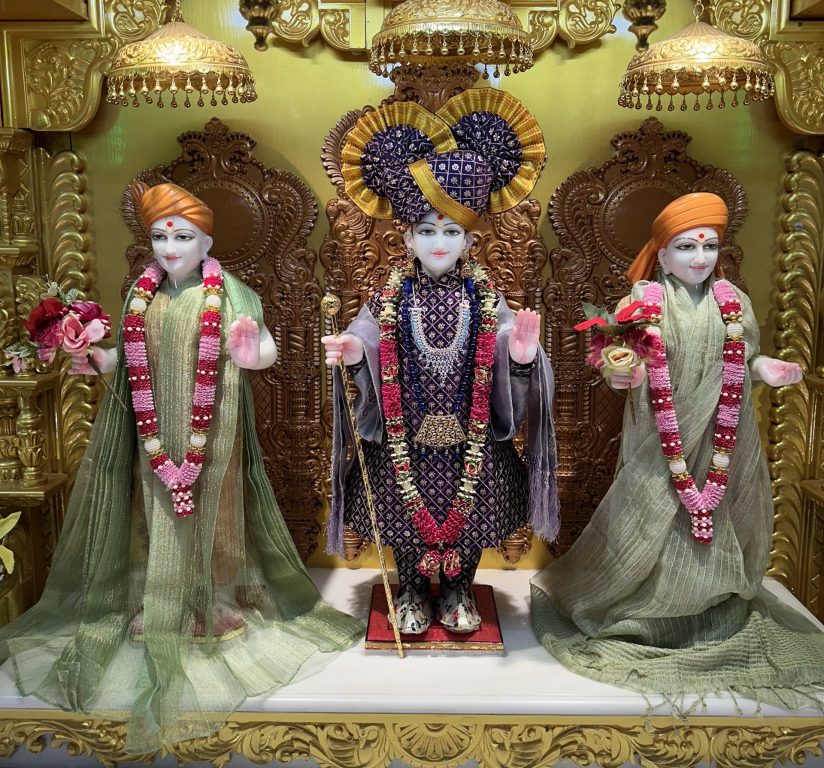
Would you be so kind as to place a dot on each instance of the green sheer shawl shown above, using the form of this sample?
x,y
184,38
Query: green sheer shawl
x,y
636,602
171,623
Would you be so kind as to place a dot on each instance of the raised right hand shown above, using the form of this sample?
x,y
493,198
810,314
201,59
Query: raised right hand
x,y
346,345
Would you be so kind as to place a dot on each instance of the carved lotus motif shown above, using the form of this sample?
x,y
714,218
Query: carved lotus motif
x,y
435,741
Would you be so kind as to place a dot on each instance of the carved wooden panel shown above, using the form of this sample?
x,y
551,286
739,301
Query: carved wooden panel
x,y
602,217
263,217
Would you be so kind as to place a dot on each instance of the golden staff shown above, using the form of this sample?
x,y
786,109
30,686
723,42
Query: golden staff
x,y
330,306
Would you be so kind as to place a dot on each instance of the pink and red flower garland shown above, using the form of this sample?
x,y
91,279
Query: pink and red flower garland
x,y
178,480
437,537
701,505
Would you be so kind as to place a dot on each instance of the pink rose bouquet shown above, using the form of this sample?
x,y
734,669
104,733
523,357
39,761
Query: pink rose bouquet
x,y
60,321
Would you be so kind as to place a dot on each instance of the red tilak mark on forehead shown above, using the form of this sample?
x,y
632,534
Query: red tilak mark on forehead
x,y
700,235
441,217
171,224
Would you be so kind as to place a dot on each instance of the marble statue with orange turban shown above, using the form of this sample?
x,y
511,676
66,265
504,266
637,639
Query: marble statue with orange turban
x,y
175,592
662,591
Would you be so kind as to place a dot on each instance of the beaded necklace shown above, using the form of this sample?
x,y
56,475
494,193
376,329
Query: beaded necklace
x,y
437,537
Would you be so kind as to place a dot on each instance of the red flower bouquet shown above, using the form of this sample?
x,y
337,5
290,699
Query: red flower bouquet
x,y
60,321
620,342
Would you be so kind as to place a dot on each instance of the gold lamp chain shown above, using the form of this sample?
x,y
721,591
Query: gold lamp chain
x,y
698,10
175,14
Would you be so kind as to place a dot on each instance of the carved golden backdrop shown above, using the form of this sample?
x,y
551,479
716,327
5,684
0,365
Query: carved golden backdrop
x,y
602,217
262,219
303,92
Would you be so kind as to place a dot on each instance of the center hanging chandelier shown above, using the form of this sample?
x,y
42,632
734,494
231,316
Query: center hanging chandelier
x,y
419,32
694,64
180,63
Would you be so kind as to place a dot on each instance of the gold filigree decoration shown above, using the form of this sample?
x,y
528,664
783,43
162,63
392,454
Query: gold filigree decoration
x,y
795,317
799,82
8,332
794,50
585,21
341,24
72,265
59,66
27,290
749,19
445,742
335,25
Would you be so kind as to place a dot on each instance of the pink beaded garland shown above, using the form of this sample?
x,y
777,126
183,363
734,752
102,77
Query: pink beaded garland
x,y
178,480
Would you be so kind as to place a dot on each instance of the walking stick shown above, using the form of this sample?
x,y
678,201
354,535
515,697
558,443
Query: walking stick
x,y
330,305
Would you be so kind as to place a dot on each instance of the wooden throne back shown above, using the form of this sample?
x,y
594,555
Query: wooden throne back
x,y
602,217
263,217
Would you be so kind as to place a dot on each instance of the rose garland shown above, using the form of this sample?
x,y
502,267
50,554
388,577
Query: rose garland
x,y
701,504
178,480
435,536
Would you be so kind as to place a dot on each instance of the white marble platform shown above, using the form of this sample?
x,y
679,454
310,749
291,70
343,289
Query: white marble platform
x,y
525,681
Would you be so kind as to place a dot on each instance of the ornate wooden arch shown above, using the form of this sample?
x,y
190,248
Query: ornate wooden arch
x,y
263,217
602,217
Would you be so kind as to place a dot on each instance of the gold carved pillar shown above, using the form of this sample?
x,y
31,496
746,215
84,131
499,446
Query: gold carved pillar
x,y
796,425
45,417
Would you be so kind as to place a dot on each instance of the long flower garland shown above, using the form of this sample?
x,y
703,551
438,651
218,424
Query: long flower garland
x,y
178,480
701,505
437,537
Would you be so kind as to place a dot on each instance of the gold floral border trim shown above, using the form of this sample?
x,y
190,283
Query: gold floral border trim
x,y
372,741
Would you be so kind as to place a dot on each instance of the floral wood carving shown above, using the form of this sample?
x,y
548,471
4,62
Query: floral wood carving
x,y
263,218
602,217
432,741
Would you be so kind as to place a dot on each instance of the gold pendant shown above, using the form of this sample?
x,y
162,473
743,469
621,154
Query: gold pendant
x,y
440,431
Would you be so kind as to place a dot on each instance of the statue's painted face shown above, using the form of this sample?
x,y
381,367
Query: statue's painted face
x,y
691,256
179,245
438,242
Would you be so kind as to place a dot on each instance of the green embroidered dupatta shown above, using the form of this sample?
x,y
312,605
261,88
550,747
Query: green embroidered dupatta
x,y
636,602
172,623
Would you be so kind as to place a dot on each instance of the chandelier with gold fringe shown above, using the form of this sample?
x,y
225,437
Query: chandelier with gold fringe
x,y
694,64
426,33
182,64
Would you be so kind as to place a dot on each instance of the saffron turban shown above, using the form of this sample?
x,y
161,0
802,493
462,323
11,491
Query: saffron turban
x,y
697,209
165,200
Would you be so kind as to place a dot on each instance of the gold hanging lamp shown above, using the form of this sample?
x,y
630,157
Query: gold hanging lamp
x,y
421,32
179,61
698,61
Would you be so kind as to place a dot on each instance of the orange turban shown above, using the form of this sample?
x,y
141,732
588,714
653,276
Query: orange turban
x,y
697,209
162,200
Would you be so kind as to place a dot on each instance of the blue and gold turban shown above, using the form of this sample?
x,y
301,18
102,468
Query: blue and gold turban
x,y
481,152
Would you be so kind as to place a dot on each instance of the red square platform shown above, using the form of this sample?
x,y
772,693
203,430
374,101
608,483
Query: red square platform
x,y
486,639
